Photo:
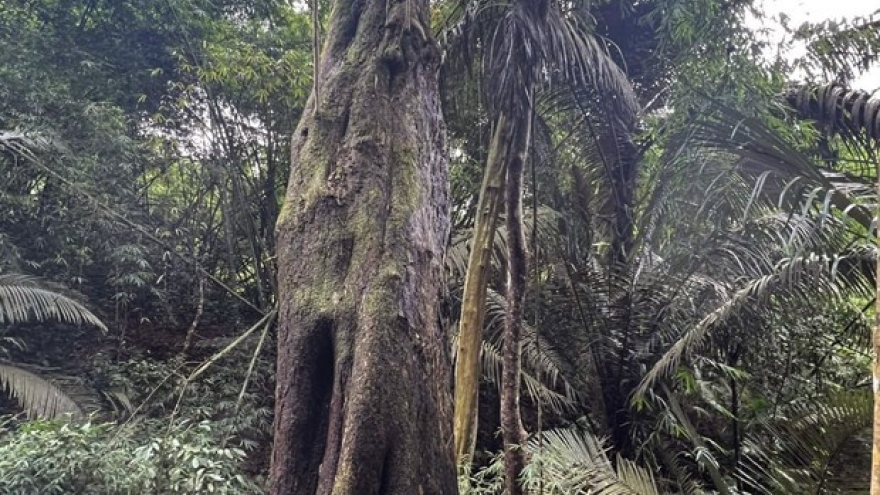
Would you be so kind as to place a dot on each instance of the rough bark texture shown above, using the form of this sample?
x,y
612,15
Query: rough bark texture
x,y
473,300
517,268
362,399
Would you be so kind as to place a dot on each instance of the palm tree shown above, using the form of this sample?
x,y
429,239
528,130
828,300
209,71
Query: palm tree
x,y
522,43
854,115
734,226
812,442
23,300
812,253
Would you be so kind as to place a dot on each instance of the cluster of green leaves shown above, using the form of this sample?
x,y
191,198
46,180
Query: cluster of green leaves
x,y
168,147
238,406
143,147
72,157
60,457
181,451
565,461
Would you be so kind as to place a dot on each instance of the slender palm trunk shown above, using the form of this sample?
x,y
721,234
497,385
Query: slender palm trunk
x,y
228,228
473,305
512,431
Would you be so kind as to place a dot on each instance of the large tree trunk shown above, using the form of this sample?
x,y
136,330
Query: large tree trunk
x,y
362,401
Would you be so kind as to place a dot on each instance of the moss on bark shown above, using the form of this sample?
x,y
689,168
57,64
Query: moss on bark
x,y
363,400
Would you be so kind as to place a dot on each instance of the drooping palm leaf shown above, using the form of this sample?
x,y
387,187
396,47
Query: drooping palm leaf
x,y
546,223
557,39
22,300
846,111
539,355
805,449
827,275
574,461
842,48
539,391
568,462
542,379
38,396
22,143
755,149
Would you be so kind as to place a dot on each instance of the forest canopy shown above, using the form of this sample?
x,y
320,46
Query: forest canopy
x,y
532,246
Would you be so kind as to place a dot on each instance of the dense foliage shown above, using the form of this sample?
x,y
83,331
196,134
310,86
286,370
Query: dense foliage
x,y
698,223
94,458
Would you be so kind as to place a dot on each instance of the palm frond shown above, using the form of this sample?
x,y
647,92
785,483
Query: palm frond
x,y
546,223
567,462
574,461
539,391
845,110
540,358
803,450
727,135
829,275
541,377
522,42
38,396
24,143
841,48
583,61
22,300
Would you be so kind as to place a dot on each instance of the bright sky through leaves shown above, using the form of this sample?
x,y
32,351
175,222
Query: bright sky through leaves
x,y
800,11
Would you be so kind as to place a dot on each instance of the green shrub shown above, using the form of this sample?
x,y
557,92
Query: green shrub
x,y
43,457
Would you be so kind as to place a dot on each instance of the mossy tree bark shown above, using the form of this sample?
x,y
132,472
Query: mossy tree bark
x,y
362,400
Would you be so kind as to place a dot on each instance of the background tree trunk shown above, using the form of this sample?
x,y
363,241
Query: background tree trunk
x,y
363,403
512,430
